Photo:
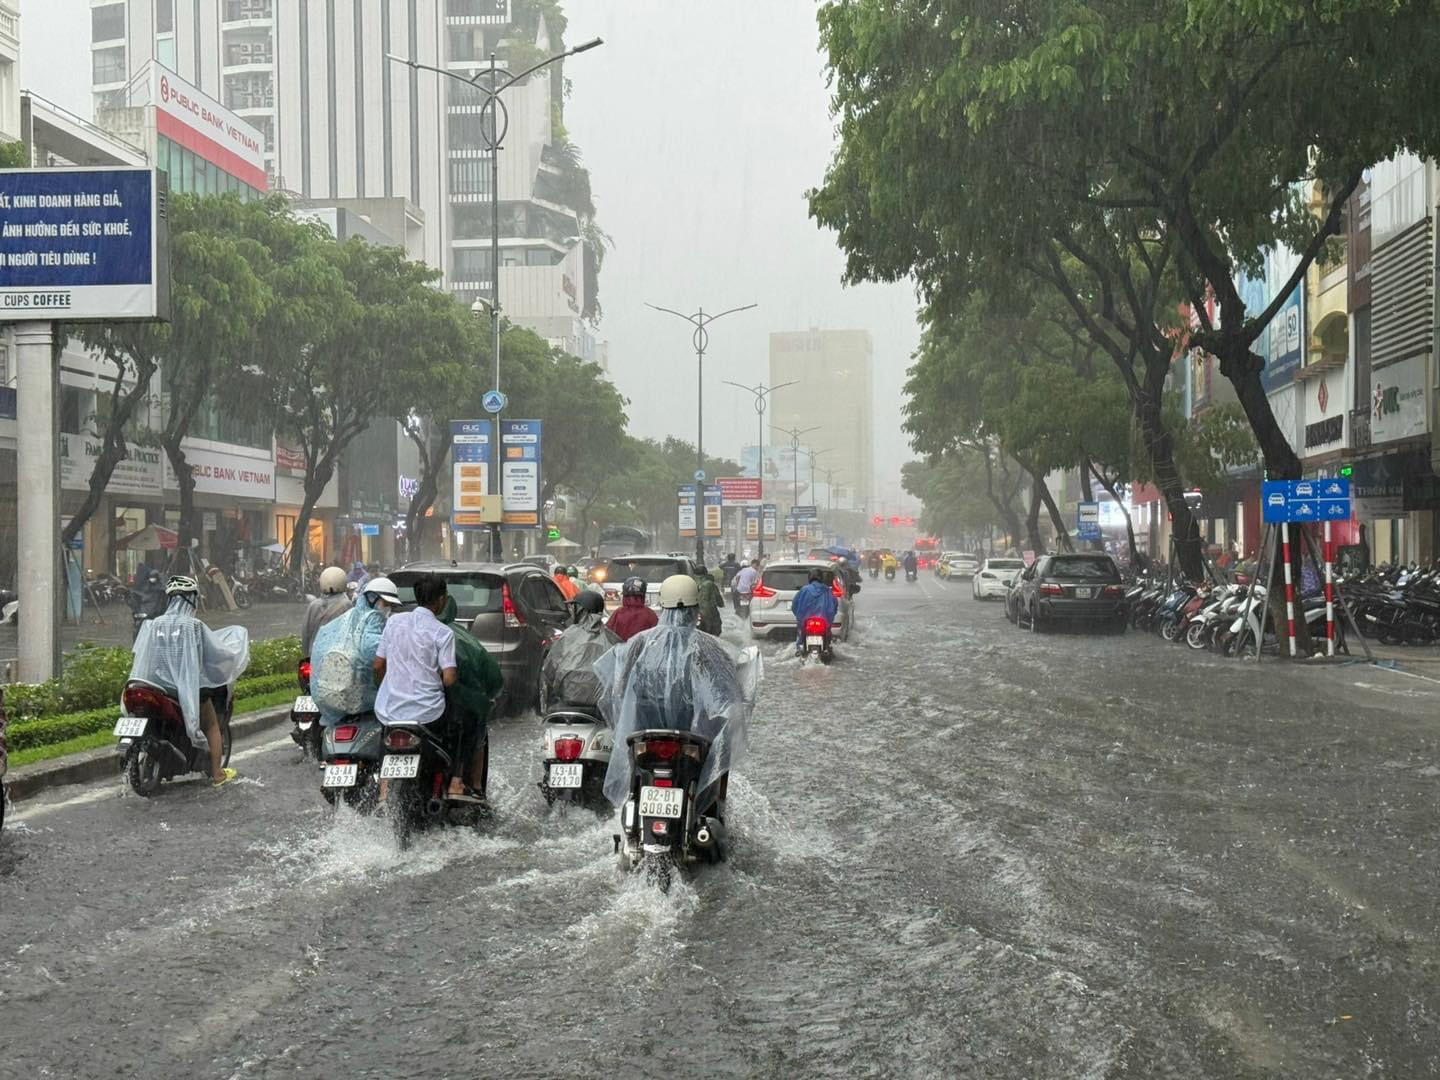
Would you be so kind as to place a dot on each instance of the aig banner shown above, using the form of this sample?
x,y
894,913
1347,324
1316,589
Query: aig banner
x,y
520,473
714,502
752,523
685,500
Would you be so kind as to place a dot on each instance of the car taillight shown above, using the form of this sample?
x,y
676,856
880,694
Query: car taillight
x,y
513,619
763,591
816,625
1050,589
837,589
346,732
305,671
664,749
1113,590
400,740
568,749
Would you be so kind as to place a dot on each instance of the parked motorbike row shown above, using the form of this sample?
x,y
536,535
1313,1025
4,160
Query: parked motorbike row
x,y
1229,619
1397,605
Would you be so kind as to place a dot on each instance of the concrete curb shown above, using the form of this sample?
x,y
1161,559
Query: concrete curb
x,y
97,764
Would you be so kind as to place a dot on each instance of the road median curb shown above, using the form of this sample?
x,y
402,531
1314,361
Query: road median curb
x,y
28,780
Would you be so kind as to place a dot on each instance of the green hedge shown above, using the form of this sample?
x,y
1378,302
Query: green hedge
x,y
54,729
94,678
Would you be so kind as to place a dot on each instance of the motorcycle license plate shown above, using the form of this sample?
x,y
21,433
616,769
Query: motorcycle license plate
x,y
815,640
339,776
305,704
1084,594
400,767
565,776
130,727
666,802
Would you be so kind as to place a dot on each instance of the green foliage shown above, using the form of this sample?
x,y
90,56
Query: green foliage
x,y
14,155
275,656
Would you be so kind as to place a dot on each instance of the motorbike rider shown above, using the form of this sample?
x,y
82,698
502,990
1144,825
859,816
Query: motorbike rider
x,y
677,678
356,636
634,615
744,584
889,562
815,598
329,605
566,678
728,569
711,600
912,564
184,657
478,683
568,588
874,564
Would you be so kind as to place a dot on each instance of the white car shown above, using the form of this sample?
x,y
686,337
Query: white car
x,y
778,584
995,578
960,565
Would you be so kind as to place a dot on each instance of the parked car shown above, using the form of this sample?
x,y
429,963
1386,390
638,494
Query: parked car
x,y
959,564
653,568
1074,587
995,577
778,584
512,609
545,562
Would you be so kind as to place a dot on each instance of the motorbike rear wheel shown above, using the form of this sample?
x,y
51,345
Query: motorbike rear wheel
x,y
1170,628
1195,635
402,807
142,770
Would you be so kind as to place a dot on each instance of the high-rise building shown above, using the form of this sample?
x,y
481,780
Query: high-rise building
x,y
341,121
9,54
832,370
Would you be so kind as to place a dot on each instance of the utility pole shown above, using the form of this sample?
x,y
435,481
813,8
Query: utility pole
x,y
701,340
762,393
795,434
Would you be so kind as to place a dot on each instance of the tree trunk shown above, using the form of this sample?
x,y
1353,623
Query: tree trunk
x,y
1160,446
1004,507
1087,492
1062,535
1113,489
1242,368
317,475
432,461
112,450
186,481
1032,522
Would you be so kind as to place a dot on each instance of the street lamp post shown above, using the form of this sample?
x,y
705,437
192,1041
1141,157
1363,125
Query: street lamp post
x,y
795,434
494,126
761,392
701,339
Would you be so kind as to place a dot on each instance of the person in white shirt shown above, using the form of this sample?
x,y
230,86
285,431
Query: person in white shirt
x,y
744,583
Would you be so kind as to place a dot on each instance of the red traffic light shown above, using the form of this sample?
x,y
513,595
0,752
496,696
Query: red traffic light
x,y
877,520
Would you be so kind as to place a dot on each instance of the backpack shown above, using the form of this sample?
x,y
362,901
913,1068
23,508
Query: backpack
x,y
341,680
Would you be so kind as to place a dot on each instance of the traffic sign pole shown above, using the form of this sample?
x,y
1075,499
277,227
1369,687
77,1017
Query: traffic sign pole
x,y
1329,594
1289,583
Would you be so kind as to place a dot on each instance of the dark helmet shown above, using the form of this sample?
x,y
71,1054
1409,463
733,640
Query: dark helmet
x,y
816,575
589,602
634,586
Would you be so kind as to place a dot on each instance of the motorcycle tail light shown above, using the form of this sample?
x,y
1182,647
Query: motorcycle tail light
x,y
149,702
816,625
305,672
836,588
568,749
661,781
397,740
664,749
659,826
346,732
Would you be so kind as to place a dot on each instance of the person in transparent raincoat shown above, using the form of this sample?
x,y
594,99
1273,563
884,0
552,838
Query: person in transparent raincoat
x,y
677,678
356,634
198,666
567,678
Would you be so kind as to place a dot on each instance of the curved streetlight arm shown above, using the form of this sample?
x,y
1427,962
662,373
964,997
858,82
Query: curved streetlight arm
x,y
593,43
497,90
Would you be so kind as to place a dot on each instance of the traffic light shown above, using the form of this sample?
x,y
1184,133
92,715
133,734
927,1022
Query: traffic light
x,y
877,520
553,533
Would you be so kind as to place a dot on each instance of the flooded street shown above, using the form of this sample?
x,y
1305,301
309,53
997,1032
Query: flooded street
x,y
960,850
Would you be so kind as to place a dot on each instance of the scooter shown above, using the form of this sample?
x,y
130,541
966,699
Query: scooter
x,y
305,716
153,741
912,576
418,764
889,573
817,642
577,745
667,824
350,756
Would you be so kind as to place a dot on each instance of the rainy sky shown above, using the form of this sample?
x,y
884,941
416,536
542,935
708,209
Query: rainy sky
x,y
702,124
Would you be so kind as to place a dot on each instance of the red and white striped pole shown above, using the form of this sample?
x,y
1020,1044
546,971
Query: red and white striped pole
x,y
1289,584
1329,594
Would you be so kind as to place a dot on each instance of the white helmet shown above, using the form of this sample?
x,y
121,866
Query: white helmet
x,y
679,591
180,584
332,581
382,587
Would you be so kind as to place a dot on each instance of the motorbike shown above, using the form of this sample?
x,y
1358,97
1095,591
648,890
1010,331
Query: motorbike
x,y
305,716
418,763
146,601
577,745
666,823
912,576
874,572
817,641
153,742
889,573
350,754
1253,618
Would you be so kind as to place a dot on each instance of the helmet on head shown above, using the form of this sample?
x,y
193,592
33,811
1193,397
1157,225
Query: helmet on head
x,y
816,575
589,602
179,585
679,591
634,586
332,580
384,588
574,571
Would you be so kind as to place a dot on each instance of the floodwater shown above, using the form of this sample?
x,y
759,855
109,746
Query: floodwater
x,y
962,850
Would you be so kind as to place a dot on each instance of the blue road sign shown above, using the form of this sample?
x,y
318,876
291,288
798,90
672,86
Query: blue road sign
x,y
1325,499
494,401
699,476
804,513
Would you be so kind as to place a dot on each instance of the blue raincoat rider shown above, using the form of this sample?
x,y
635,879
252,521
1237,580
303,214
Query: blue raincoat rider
x,y
816,598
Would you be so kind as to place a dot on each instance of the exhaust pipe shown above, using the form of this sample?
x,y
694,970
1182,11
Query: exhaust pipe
x,y
435,807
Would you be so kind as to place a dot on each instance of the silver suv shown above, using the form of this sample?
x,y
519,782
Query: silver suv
x,y
778,584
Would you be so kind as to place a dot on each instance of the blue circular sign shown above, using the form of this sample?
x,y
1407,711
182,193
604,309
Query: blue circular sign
x,y
699,476
494,401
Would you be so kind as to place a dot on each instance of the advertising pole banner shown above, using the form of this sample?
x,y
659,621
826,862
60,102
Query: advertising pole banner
x,y
520,473
768,517
752,523
740,490
685,499
714,503
470,461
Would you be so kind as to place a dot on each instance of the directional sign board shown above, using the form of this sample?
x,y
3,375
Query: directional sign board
x,y
1325,499
1087,521
804,513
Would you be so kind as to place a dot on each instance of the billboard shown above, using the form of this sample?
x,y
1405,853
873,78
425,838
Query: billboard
x,y
82,244
470,462
738,490
714,503
1397,400
685,504
1284,342
520,473
768,522
186,116
752,523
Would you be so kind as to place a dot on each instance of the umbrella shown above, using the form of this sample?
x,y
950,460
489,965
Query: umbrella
x,y
563,545
278,549
150,538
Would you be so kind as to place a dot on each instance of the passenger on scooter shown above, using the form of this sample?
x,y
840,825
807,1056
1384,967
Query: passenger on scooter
x,y
891,564
183,657
634,615
744,584
815,598
728,569
567,678
478,683
342,660
711,601
912,564
330,604
875,564
568,588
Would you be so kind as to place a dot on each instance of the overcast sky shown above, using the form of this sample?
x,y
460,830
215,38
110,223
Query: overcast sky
x,y
702,123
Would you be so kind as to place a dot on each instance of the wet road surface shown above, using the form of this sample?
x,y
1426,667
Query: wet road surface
x,y
961,850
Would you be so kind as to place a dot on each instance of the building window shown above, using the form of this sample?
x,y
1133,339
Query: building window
x,y
472,222
472,264
539,257
164,16
469,177
109,65
107,23
165,51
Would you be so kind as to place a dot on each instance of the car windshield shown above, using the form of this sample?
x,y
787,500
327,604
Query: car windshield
x,y
1081,567
473,593
792,578
1005,564
650,570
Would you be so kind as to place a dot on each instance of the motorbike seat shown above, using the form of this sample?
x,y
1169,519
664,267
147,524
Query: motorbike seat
x,y
589,713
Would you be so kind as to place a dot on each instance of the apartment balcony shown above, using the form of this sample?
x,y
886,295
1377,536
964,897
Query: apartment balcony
x,y
9,31
247,15
477,12
252,64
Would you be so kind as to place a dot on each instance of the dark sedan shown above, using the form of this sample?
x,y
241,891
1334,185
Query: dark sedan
x,y
513,610
1078,587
